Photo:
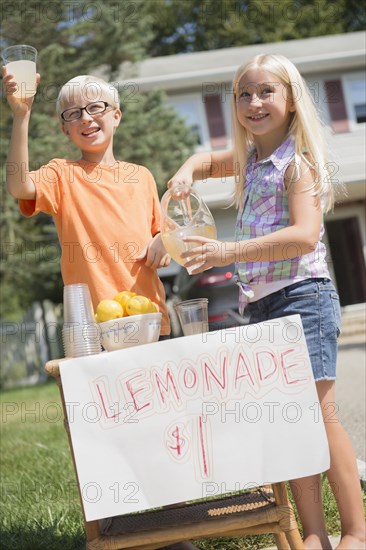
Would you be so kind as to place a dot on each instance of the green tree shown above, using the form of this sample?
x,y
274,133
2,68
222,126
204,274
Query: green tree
x,y
29,266
76,37
198,25
73,38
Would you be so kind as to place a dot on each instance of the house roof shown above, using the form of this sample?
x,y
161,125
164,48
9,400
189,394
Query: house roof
x,y
182,71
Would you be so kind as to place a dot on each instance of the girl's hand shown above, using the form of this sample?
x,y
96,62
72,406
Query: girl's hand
x,y
19,105
154,254
209,253
180,185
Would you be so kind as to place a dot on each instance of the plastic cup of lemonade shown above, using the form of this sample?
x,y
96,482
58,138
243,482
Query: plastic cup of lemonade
x,y
20,61
193,316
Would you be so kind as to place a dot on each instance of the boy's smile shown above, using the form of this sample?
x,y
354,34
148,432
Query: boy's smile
x,y
91,130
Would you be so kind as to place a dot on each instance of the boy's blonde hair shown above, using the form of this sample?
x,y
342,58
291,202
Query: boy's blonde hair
x,y
305,127
92,88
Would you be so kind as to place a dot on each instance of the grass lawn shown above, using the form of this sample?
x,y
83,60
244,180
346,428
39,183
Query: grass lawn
x,y
39,497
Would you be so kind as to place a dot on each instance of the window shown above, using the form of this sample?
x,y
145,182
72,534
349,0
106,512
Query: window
x,y
355,96
206,116
188,111
358,99
189,107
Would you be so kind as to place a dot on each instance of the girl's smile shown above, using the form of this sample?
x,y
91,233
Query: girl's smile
x,y
258,117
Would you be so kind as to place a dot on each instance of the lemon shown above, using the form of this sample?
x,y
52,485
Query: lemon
x,y
123,297
108,310
154,308
138,305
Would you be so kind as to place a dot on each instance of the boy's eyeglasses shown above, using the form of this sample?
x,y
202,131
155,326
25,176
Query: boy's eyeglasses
x,y
92,109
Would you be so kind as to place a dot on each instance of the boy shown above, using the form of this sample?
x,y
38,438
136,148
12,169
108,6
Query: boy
x,y
106,212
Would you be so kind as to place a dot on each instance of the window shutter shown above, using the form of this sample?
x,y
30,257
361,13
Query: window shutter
x,y
337,106
215,121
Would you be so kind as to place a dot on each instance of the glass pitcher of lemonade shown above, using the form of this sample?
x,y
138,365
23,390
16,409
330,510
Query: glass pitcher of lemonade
x,y
181,217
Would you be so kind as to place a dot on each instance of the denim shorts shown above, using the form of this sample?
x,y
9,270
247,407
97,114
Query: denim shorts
x,y
317,302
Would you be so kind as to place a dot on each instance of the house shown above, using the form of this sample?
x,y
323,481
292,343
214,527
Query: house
x,y
198,86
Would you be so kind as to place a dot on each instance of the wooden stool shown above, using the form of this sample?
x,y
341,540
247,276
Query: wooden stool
x,y
257,511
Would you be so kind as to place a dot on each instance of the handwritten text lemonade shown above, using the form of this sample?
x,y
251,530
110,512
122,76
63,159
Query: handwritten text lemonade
x,y
250,370
218,383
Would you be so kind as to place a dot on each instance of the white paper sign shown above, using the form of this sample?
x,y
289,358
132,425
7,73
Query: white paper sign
x,y
193,417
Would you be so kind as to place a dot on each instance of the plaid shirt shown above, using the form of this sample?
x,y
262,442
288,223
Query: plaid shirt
x,y
265,210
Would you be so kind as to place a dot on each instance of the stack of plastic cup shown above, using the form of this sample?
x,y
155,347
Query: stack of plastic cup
x,y
80,333
193,316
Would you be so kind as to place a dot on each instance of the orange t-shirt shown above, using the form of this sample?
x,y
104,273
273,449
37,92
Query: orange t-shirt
x,y
104,216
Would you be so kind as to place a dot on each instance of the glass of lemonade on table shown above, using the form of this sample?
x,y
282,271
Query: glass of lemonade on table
x,y
193,316
188,216
20,61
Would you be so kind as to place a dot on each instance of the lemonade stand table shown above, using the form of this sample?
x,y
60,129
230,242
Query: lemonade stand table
x,y
222,419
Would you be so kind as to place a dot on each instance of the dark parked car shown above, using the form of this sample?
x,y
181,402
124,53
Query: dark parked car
x,y
216,284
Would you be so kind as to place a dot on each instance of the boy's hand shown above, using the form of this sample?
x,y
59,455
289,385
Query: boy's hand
x,y
19,105
154,254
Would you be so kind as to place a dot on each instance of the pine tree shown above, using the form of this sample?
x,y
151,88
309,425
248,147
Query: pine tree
x,y
76,38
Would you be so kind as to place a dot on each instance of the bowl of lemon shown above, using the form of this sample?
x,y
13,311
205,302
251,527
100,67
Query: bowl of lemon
x,y
127,320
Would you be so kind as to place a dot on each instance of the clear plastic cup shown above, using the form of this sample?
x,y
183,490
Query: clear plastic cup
x,y
193,316
80,340
80,333
20,60
78,306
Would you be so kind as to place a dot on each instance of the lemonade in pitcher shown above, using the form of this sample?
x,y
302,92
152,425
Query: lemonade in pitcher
x,y
184,217
174,244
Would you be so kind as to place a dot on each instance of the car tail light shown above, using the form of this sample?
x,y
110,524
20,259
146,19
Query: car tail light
x,y
214,278
215,318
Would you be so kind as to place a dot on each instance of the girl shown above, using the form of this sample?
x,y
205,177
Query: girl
x,y
282,190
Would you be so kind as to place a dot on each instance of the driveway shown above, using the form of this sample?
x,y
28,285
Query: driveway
x,y
351,394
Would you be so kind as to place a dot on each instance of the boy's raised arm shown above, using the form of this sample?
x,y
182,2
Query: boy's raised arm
x,y
18,182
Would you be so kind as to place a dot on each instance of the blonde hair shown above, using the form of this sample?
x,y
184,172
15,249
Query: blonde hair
x,y
305,127
88,86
